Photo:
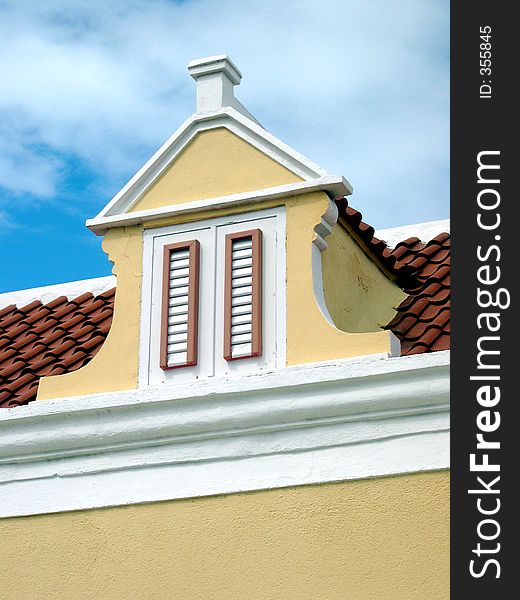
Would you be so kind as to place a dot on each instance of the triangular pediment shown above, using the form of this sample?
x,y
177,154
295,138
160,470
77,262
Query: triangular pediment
x,y
216,162
220,152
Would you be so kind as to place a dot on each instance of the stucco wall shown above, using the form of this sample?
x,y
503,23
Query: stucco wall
x,y
380,539
310,336
115,366
358,296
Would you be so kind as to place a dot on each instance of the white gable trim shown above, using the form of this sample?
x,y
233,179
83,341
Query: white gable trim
x,y
313,423
232,120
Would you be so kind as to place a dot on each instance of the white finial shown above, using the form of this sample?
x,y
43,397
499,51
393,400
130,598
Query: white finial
x,y
215,76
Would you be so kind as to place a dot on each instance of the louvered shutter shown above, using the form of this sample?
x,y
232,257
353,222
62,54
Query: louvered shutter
x,y
243,295
180,305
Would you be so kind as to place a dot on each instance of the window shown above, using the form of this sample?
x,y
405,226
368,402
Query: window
x,y
213,298
180,305
243,295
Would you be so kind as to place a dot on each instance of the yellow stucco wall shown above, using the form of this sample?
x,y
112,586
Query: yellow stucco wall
x,y
358,296
115,366
215,163
310,337
380,539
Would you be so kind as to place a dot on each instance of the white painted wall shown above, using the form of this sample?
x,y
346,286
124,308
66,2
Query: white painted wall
x,y
312,423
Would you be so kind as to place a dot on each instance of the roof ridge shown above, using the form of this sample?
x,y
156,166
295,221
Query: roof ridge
x,y
48,293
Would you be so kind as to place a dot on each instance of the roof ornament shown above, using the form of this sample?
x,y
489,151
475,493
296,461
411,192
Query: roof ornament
x,y
216,76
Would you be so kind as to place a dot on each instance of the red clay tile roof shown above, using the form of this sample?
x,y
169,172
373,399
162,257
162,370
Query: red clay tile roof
x,y
63,335
422,322
422,270
49,339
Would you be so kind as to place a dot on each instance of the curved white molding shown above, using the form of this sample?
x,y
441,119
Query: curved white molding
x,y
48,293
322,230
311,423
324,227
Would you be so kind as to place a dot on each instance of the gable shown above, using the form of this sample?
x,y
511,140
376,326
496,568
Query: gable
x,y
215,163
219,157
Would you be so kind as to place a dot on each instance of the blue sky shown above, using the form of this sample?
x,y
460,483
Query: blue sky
x,y
90,89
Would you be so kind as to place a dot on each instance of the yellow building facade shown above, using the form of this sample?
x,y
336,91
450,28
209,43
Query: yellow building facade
x,y
310,464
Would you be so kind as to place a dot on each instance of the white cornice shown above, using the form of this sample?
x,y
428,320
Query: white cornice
x,y
336,186
312,423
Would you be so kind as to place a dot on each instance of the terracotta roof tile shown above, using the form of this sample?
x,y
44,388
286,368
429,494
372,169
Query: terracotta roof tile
x,y
422,270
49,339
7,310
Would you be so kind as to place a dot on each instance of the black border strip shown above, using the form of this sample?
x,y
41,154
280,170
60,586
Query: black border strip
x,y
482,124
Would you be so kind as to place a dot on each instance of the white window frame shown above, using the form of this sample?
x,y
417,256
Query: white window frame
x,y
210,326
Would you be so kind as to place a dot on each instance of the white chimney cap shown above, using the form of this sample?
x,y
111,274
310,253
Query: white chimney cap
x,y
215,64
216,76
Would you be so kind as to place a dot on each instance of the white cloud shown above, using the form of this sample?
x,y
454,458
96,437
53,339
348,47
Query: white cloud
x,y
360,87
23,168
